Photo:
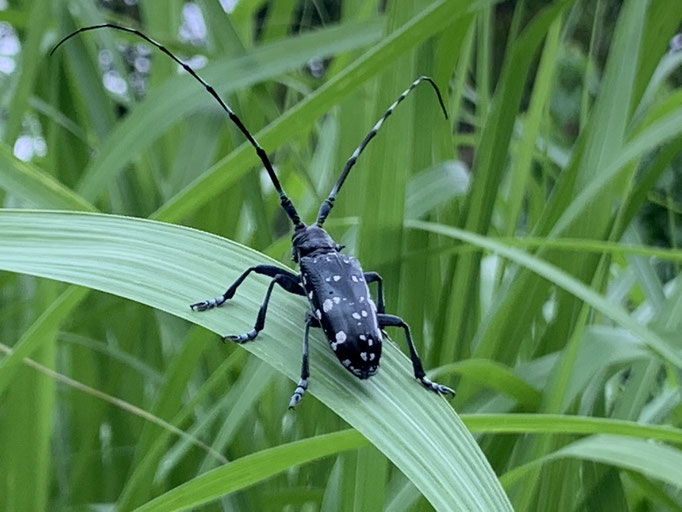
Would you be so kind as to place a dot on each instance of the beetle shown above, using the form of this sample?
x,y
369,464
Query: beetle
x,y
334,283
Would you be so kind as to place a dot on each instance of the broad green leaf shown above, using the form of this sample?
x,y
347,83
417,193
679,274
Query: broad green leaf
x,y
168,267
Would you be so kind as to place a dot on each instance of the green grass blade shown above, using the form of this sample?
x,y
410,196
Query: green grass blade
x,y
655,460
34,186
562,279
31,62
251,469
300,118
565,424
181,95
33,338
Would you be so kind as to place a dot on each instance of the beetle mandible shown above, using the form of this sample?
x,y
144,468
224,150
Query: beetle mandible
x,y
334,284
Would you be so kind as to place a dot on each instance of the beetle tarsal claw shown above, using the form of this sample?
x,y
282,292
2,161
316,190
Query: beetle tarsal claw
x,y
199,306
298,393
207,304
437,388
242,338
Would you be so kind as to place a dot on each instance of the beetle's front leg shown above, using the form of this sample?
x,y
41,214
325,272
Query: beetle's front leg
x,y
266,270
419,373
371,277
305,370
289,282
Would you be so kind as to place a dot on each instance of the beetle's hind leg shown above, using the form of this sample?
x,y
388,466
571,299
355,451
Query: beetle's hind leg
x,y
373,277
419,373
302,385
266,270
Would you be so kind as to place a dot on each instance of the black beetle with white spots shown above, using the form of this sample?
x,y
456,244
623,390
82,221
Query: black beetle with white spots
x,y
334,284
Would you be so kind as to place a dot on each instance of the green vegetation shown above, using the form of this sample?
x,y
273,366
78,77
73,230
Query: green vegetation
x,y
530,241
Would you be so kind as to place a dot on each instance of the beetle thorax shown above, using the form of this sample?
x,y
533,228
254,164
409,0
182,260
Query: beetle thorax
x,y
310,240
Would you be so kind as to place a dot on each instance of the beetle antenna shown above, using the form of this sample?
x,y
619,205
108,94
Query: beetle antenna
x,y
328,203
284,199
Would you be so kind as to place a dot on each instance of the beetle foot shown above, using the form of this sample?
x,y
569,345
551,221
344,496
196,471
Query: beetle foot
x,y
208,304
242,338
437,388
298,393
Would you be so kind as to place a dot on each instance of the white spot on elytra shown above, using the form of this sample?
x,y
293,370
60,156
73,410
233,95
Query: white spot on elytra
x,y
318,314
371,356
328,279
346,362
356,316
327,305
336,300
363,355
363,337
340,337
354,278
310,294
362,299
337,278
370,342
364,313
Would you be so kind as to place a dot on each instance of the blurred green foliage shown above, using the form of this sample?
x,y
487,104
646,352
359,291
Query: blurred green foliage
x,y
531,241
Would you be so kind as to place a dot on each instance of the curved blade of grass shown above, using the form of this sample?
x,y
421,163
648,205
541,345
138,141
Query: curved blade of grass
x,y
496,376
37,188
566,424
563,280
167,267
655,460
251,469
657,133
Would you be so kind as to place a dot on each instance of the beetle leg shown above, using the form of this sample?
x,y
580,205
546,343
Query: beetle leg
x,y
289,282
371,277
420,375
305,370
266,270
